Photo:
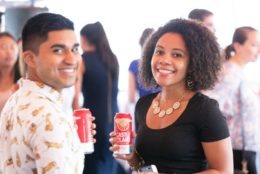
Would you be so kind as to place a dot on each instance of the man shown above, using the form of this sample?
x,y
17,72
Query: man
x,y
36,136
204,16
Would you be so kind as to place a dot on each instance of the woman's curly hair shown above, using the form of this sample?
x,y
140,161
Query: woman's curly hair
x,y
204,54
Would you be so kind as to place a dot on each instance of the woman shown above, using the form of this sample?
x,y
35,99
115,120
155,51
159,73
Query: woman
x,y
134,83
180,130
9,71
238,99
133,80
100,87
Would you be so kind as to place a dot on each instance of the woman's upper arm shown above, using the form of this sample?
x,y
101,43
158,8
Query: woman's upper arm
x,y
219,155
131,87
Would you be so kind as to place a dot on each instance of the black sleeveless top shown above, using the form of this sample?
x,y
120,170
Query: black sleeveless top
x,y
96,96
178,147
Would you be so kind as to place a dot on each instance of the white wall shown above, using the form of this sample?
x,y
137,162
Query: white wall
x,y
124,21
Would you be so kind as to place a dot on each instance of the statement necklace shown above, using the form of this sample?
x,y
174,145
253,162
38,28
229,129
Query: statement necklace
x,y
163,112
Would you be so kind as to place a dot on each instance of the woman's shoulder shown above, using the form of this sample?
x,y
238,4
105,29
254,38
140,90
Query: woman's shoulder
x,y
203,102
200,97
135,62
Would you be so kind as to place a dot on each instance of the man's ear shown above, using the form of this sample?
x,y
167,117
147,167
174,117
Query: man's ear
x,y
29,58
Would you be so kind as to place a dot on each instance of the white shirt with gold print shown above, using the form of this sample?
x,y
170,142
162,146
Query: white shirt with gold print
x,y
36,136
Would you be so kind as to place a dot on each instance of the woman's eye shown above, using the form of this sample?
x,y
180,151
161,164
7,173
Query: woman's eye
x,y
177,55
158,52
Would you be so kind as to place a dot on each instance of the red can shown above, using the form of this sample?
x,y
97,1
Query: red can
x,y
83,121
123,128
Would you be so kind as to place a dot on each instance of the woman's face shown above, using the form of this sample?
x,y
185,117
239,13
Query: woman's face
x,y
170,60
250,50
8,52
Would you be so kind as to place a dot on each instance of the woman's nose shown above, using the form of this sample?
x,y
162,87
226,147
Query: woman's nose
x,y
165,61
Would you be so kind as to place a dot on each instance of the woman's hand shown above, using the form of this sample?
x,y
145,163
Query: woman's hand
x,y
113,140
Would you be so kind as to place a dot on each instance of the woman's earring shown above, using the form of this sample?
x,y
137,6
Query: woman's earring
x,y
190,83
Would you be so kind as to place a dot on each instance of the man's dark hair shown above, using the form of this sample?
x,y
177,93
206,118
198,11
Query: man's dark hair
x,y
36,29
205,60
199,14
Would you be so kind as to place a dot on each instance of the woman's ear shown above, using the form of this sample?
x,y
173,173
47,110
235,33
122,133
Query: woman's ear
x,y
237,47
29,58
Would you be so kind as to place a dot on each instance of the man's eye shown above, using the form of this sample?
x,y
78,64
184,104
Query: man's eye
x,y
75,50
58,50
3,47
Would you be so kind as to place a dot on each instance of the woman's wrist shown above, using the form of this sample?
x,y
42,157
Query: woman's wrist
x,y
136,162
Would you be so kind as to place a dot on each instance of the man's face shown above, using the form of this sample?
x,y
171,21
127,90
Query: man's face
x,y
209,23
57,60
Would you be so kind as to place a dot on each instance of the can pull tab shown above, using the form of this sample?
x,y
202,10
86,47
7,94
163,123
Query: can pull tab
x,y
76,118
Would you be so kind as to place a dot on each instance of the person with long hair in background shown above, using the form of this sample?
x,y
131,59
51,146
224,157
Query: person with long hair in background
x,y
134,83
237,99
99,69
9,68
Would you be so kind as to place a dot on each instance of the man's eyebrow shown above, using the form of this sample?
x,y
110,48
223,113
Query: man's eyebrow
x,y
58,45
76,45
63,46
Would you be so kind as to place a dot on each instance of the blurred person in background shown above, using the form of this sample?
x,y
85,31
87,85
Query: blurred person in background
x,y
99,71
9,68
134,83
238,99
205,17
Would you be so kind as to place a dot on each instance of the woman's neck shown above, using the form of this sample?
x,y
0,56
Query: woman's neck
x,y
6,78
238,60
174,94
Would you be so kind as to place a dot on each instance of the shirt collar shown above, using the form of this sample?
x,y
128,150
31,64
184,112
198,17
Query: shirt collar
x,y
41,88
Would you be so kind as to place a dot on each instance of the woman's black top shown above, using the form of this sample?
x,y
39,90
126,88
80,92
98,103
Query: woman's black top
x,y
178,147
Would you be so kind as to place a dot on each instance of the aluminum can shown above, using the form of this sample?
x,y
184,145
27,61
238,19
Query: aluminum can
x,y
83,121
123,128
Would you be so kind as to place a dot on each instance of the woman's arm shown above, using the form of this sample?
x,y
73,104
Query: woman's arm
x,y
131,87
219,156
